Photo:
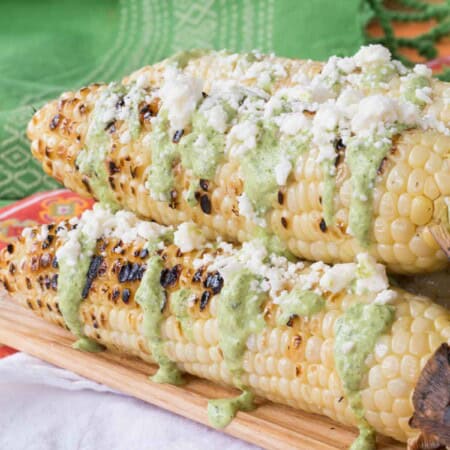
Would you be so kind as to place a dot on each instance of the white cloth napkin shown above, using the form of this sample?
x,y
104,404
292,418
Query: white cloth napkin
x,y
43,407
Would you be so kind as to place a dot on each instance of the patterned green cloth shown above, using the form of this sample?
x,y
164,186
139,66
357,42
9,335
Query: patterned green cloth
x,y
49,46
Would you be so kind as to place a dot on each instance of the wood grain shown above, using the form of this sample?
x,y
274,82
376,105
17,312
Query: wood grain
x,y
270,426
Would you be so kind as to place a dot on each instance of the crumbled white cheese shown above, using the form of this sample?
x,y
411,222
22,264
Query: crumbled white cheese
x,y
373,115
338,277
370,276
424,94
324,127
180,94
282,171
246,209
217,118
101,222
369,54
293,123
422,70
385,297
242,137
188,236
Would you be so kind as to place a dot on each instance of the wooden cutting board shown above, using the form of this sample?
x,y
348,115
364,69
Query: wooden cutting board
x,y
270,426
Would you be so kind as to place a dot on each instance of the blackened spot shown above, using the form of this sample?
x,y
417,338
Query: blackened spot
x,y
95,324
131,272
337,160
82,108
290,322
12,268
47,282
204,184
170,276
50,226
112,183
173,199
85,181
177,136
54,282
113,168
339,145
49,307
96,261
214,281
39,302
126,295
34,264
204,94
55,262
204,300
6,285
380,169
280,197
124,272
197,195
115,294
30,305
323,225
55,121
143,254
10,248
320,200
205,204
120,103
340,399
111,127
28,282
284,222
102,269
146,112
47,242
198,275
179,253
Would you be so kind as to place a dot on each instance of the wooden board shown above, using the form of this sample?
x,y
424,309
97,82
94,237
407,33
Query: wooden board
x,y
270,426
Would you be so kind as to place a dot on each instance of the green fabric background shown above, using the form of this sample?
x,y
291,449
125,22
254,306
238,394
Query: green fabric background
x,y
49,46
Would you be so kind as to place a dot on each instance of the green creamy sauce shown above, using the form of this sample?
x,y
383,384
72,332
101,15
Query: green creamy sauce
x,y
360,327
222,411
239,315
377,74
273,244
92,159
151,297
299,303
71,281
164,153
202,150
363,160
179,304
258,167
410,87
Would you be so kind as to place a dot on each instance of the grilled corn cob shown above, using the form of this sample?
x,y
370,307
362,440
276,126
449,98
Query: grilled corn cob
x,y
289,348
120,144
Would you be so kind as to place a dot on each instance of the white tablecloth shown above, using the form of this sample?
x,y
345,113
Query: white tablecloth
x,y
43,407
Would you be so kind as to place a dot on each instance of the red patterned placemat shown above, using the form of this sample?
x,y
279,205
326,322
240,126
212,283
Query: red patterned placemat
x,y
44,207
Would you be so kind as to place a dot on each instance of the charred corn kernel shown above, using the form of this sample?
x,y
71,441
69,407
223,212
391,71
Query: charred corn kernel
x,y
415,168
293,364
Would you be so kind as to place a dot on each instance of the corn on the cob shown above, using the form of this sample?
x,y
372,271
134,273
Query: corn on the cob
x,y
409,191
289,357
